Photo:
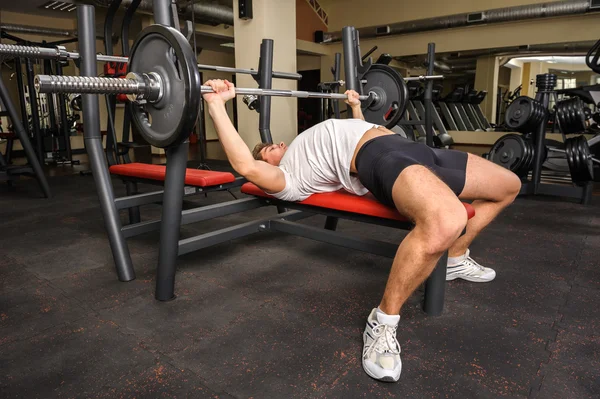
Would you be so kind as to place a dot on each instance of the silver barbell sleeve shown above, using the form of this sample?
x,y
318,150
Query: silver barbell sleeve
x,y
138,87
148,87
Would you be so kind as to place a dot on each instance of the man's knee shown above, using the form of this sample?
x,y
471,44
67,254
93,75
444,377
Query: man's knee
x,y
443,226
513,187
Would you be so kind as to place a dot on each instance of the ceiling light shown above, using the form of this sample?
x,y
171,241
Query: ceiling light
x,y
59,6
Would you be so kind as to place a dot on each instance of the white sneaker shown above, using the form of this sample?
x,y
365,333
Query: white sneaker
x,y
470,270
381,350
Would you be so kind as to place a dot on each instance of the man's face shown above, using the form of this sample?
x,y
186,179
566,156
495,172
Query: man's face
x,y
273,153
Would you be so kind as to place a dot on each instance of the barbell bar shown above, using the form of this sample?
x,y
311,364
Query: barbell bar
x,y
149,87
564,152
421,78
60,53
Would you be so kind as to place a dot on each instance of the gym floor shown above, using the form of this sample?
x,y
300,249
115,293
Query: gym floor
x,y
276,316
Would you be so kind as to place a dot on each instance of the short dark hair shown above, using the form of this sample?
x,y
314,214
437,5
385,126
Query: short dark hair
x,y
257,149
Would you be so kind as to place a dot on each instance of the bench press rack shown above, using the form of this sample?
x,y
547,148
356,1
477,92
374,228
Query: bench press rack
x,y
333,205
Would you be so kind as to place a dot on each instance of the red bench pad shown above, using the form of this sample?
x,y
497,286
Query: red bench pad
x,y
8,135
344,201
193,177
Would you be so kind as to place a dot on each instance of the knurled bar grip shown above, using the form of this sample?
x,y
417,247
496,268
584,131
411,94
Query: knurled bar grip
x,y
58,53
99,85
28,51
86,85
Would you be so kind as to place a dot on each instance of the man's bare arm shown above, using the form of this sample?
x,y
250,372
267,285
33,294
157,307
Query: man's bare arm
x,y
354,103
357,112
264,175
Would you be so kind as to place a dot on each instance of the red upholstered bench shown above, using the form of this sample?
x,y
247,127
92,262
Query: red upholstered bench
x,y
344,201
193,177
8,135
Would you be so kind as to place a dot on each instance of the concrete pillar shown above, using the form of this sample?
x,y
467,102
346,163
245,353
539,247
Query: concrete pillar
x,y
486,78
272,19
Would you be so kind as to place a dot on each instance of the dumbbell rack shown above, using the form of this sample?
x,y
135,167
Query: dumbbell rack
x,y
532,185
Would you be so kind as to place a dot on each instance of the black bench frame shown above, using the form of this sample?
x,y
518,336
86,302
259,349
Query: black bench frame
x,y
173,217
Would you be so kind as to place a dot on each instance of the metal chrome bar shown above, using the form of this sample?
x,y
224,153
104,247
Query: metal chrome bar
x,y
424,78
60,53
99,85
564,152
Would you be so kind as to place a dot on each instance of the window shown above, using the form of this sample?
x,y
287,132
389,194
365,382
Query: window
x,y
566,83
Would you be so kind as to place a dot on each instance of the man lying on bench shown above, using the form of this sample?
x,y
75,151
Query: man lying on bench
x,y
425,184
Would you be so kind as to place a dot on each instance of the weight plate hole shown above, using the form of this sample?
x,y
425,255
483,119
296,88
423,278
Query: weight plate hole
x,y
391,112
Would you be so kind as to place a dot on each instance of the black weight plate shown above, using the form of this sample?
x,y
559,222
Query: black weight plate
x,y
509,152
579,115
523,114
524,168
571,160
585,159
572,117
528,165
576,152
165,50
531,155
391,89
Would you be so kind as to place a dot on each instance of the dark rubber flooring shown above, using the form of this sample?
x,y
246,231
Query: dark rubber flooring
x,y
276,316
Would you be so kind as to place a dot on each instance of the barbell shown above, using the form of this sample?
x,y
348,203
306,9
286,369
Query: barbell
x,y
163,84
60,53
150,87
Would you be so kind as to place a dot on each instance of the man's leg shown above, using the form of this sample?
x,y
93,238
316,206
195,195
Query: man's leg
x,y
439,219
492,188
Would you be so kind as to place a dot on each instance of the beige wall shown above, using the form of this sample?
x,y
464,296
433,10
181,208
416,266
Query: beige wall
x,y
504,77
486,78
308,62
379,12
274,19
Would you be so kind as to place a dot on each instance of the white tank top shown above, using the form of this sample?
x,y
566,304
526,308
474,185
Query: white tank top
x,y
319,159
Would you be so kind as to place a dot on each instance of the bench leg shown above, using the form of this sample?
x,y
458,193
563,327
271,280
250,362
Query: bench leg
x,y
134,212
331,223
435,288
171,222
9,148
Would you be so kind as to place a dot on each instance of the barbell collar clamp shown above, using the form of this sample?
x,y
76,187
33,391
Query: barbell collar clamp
x,y
150,86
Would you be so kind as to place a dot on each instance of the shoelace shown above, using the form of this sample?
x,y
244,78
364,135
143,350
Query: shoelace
x,y
385,340
471,262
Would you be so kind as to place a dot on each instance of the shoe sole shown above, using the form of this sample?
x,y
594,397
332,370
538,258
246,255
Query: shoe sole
x,y
387,378
471,279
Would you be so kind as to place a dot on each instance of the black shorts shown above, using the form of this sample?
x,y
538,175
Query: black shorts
x,y
380,161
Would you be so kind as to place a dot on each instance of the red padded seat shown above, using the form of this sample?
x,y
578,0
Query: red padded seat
x,y
8,135
193,177
344,201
